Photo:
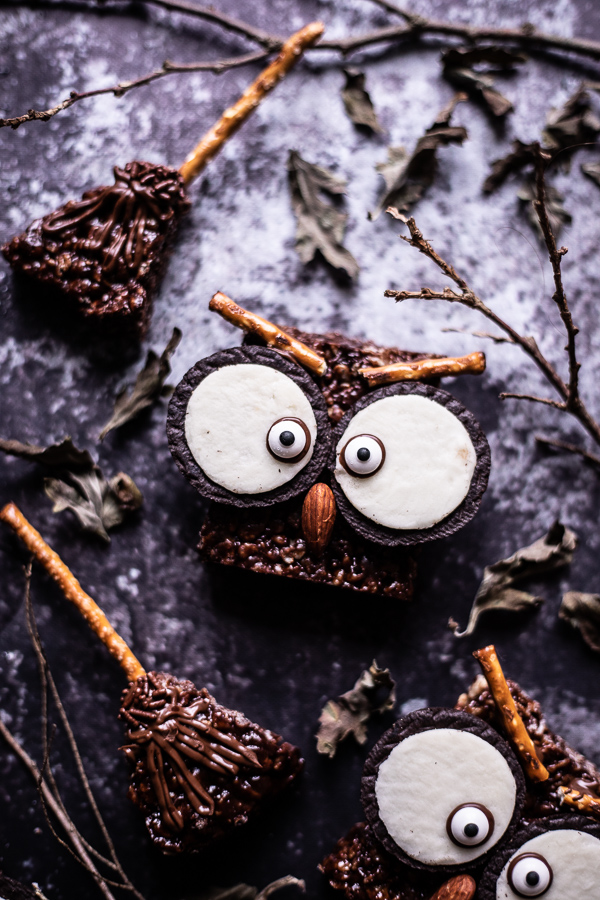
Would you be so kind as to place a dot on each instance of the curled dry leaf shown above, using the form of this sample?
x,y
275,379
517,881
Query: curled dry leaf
x,y
247,892
374,692
357,101
550,552
98,504
557,214
320,226
62,455
148,388
406,178
582,611
469,68
592,170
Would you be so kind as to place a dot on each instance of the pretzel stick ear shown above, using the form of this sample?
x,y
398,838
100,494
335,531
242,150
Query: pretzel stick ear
x,y
473,364
237,114
72,590
513,722
270,333
585,803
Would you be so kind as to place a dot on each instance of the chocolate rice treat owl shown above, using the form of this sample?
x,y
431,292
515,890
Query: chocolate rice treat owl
x,y
325,457
479,801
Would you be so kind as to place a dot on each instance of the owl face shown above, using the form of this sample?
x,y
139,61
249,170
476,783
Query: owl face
x,y
444,793
406,464
441,790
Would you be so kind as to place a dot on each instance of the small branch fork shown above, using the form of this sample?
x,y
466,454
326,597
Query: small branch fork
x,y
415,26
568,391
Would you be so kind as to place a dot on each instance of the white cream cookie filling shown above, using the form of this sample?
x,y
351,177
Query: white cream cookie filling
x,y
426,777
574,858
428,467
228,418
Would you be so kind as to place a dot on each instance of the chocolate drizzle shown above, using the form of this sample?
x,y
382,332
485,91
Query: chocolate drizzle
x,y
198,767
105,252
114,219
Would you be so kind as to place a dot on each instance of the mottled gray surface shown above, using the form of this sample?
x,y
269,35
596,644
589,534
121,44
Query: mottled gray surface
x,y
273,648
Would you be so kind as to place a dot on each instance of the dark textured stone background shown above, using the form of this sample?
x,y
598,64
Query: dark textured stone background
x,y
275,649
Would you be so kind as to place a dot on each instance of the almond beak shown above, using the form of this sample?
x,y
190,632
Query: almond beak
x,y
318,517
461,887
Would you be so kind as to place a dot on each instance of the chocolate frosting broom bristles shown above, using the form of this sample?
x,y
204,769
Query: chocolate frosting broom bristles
x,y
199,769
105,254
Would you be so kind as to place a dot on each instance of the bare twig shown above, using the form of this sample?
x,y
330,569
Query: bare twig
x,y
557,404
119,90
570,401
416,26
570,448
496,338
56,808
47,683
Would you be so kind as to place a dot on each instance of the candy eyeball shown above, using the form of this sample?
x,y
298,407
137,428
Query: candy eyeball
x,y
559,863
363,455
529,875
470,825
405,461
289,439
250,428
443,796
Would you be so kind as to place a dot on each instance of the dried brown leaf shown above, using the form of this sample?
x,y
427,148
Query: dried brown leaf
x,y
98,504
557,214
148,388
550,552
592,170
62,455
459,68
406,178
320,226
374,692
572,124
357,101
520,156
582,611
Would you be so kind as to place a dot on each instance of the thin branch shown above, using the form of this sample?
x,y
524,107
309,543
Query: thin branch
x,y
556,256
525,36
119,90
52,804
266,40
570,401
570,448
557,404
47,682
496,338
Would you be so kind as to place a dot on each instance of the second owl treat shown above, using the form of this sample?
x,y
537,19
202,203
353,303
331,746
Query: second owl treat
x,y
484,792
326,458
199,770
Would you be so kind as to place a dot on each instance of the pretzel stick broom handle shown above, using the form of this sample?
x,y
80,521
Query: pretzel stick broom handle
x,y
72,590
233,117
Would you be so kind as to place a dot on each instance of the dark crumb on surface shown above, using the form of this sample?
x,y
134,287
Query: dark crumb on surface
x,y
200,770
271,541
104,255
567,767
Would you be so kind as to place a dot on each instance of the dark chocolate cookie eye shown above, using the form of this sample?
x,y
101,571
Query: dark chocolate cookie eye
x,y
470,825
363,455
530,875
288,439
